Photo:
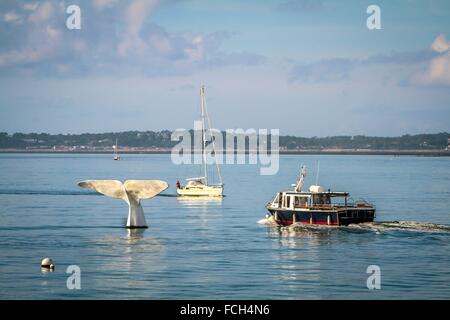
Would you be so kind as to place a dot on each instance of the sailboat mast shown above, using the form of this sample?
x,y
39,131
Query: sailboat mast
x,y
202,94
212,141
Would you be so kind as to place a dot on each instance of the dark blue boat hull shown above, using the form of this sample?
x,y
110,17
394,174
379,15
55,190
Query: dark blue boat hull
x,y
338,217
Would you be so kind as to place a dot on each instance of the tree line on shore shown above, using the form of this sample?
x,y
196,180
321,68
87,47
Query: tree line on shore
x,y
162,140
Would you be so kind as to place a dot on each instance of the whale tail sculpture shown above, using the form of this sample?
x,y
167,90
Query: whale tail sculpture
x,y
132,192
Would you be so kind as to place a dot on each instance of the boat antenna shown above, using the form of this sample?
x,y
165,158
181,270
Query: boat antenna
x,y
205,166
301,180
317,173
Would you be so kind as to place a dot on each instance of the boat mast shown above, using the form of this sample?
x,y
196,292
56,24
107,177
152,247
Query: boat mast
x,y
115,149
202,94
317,174
213,144
301,180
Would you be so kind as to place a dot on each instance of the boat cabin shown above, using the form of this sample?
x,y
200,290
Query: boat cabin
x,y
196,182
318,206
320,198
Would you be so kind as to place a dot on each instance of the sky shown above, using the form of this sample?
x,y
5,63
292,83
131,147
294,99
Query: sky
x,y
305,67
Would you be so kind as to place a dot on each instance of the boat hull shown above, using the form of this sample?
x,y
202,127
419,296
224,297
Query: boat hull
x,y
203,191
341,217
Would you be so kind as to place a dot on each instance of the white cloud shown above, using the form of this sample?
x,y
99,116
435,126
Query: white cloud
x,y
195,52
105,3
440,44
31,6
161,43
42,13
23,56
11,17
135,16
43,49
438,70
138,45
52,33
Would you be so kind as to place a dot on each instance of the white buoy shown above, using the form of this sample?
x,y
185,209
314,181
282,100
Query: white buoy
x,y
47,263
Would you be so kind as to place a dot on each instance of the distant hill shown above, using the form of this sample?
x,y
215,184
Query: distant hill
x,y
161,140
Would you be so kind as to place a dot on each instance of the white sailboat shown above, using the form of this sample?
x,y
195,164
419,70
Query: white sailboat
x,y
202,186
116,152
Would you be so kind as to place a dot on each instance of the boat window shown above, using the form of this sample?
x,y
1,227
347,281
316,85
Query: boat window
x,y
288,201
276,198
321,199
316,199
301,201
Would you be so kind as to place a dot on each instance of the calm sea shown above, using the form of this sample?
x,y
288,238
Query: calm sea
x,y
217,249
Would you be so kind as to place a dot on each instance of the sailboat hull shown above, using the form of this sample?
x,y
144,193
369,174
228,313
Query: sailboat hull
x,y
201,191
198,187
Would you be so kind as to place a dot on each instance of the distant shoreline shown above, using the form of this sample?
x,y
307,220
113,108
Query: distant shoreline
x,y
425,153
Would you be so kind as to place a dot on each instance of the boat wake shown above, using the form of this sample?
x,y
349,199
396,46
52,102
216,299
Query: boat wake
x,y
308,228
47,192
60,193
414,226
377,227
268,221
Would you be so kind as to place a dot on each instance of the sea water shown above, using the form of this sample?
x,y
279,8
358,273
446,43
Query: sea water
x,y
216,249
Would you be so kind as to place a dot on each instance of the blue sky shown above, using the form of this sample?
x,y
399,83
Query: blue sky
x,y
308,68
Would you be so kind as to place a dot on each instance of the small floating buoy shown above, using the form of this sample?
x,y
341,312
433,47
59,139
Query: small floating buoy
x,y
47,263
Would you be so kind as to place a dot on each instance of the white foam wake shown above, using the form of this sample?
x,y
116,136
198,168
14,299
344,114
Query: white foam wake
x,y
378,227
268,221
402,226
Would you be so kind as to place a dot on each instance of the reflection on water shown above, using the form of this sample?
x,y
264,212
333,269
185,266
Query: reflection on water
x,y
47,270
123,260
311,254
199,206
133,235
298,255
200,200
131,242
